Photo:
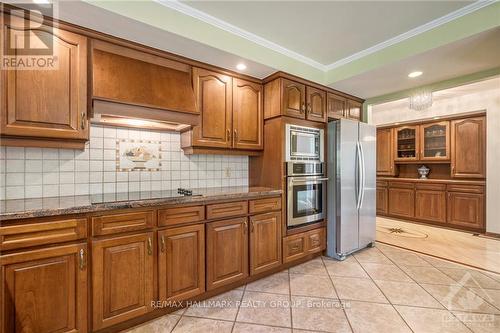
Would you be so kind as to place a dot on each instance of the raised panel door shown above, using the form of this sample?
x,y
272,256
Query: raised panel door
x,y
336,106
382,203
45,290
213,93
227,252
265,242
406,143
248,124
466,209
385,157
122,278
402,202
316,104
293,99
51,101
468,148
430,205
435,141
181,262
353,110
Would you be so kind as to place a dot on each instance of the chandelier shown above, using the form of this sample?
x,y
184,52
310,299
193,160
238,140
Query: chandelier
x,y
420,100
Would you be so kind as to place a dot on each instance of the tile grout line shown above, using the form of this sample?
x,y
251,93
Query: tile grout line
x,y
239,306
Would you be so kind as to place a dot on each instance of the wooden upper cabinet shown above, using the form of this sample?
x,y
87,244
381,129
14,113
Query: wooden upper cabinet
x,y
385,157
265,242
227,252
293,99
122,278
181,262
45,290
336,106
213,92
406,143
248,121
468,148
354,110
435,141
316,104
50,102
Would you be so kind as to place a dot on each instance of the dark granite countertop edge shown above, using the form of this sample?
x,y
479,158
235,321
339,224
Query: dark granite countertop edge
x,y
139,203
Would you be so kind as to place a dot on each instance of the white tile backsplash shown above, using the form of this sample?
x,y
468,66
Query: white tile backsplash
x,y
48,172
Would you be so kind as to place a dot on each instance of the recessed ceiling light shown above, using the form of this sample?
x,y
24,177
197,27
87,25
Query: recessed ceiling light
x,y
241,67
415,74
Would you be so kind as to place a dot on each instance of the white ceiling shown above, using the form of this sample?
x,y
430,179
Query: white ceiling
x,y
327,31
470,55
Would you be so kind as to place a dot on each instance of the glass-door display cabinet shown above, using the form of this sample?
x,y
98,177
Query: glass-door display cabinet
x,y
435,141
406,143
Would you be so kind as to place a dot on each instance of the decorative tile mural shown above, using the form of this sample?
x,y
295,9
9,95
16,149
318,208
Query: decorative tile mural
x,y
138,155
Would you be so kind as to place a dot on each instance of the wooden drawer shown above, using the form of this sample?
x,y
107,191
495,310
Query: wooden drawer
x,y
264,205
26,235
294,247
402,185
179,215
431,187
316,240
217,211
466,188
382,183
116,223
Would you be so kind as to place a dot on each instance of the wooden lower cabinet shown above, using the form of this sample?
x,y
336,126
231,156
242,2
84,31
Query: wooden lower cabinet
x,y
227,252
45,290
265,242
382,202
402,202
122,278
299,245
181,262
466,209
430,205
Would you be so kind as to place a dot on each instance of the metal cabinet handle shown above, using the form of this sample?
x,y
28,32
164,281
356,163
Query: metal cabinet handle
x,y
228,135
150,246
303,107
245,224
81,257
83,120
309,108
295,248
235,134
251,226
162,243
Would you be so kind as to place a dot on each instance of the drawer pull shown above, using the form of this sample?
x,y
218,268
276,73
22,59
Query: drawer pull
x,y
245,227
150,246
82,259
162,243
83,121
315,242
295,248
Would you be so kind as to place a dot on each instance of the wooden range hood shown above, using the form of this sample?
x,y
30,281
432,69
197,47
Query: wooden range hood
x,y
148,89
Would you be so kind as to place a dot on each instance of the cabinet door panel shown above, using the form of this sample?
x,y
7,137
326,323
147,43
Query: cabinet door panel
x,y
49,103
181,268
293,99
402,202
45,290
354,110
468,148
466,209
406,143
122,278
385,157
336,106
227,252
435,141
247,115
265,242
213,92
430,205
316,104
382,204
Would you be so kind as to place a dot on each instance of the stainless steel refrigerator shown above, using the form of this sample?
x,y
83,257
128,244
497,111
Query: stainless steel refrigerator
x,y
351,188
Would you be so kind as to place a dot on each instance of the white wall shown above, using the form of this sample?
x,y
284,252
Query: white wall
x,y
487,100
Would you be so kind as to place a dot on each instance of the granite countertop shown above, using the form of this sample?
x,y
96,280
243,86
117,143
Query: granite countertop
x,y
40,207
430,180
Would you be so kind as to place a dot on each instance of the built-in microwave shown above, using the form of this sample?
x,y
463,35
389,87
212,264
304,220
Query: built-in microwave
x,y
303,143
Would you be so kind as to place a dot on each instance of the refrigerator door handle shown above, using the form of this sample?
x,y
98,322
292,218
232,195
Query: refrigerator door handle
x,y
363,175
359,176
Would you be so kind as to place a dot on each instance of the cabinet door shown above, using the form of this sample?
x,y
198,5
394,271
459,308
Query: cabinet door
x,y
466,209
122,278
45,290
353,110
181,262
293,99
227,252
406,143
248,122
46,102
430,205
385,157
468,148
265,242
382,204
213,93
402,202
435,141
336,106
316,104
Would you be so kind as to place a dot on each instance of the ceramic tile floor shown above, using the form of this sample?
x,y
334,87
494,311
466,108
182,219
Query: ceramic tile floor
x,y
382,289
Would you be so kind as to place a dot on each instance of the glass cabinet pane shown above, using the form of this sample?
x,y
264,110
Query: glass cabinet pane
x,y
435,141
407,143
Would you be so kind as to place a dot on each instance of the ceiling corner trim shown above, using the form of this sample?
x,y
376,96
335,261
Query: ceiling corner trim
x,y
223,25
412,33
